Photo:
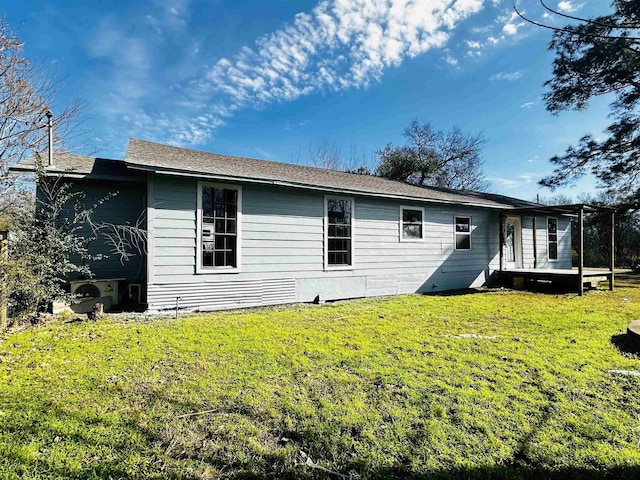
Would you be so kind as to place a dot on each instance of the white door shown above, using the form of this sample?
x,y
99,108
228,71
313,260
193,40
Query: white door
x,y
513,243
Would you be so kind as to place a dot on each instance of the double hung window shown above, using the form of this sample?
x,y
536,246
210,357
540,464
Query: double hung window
x,y
463,233
411,219
338,231
219,208
552,238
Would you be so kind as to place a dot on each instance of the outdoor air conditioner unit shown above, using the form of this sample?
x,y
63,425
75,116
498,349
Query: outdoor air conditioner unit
x,y
89,292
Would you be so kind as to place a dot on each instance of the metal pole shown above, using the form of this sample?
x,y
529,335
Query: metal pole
x,y
535,243
581,251
612,257
50,131
4,256
502,217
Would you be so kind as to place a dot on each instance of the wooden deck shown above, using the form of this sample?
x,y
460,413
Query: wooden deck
x,y
568,279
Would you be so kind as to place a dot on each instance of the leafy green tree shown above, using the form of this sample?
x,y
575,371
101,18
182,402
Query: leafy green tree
x,y
51,240
447,159
595,57
45,245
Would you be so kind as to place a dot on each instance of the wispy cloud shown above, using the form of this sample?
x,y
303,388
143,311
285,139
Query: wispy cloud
x,y
516,182
511,22
527,105
508,76
569,7
338,45
451,60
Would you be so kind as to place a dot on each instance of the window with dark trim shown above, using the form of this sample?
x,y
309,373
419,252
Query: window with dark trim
x,y
339,231
463,233
411,223
552,238
219,206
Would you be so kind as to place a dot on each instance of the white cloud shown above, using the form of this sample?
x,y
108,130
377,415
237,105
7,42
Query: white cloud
x,y
568,7
508,76
518,181
510,22
510,29
506,182
451,61
527,105
473,44
338,45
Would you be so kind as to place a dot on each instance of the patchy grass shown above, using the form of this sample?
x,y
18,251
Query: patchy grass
x,y
385,388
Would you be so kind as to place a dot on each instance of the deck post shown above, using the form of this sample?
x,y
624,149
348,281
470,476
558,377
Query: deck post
x,y
502,217
535,243
612,256
4,293
581,251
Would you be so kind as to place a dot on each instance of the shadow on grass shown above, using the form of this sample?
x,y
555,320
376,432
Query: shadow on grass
x,y
626,344
455,293
161,461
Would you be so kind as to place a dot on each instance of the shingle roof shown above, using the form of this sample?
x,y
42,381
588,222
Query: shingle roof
x,y
164,158
80,166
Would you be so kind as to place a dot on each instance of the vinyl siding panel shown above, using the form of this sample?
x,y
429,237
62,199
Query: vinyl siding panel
x,y
542,246
282,253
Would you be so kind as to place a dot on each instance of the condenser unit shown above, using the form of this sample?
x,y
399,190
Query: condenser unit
x,y
89,292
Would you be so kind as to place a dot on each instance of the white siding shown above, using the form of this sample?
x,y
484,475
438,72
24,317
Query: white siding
x,y
564,243
283,250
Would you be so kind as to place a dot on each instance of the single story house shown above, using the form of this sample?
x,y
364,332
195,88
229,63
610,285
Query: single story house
x,y
228,232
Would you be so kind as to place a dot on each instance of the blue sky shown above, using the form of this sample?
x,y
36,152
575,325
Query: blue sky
x,y
270,79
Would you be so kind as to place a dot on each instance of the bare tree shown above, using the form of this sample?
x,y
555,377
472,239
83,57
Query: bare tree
x,y
447,159
329,155
27,92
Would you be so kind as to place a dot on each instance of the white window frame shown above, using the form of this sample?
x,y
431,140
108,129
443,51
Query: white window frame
x,y
557,240
326,232
401,224
455,234
215,270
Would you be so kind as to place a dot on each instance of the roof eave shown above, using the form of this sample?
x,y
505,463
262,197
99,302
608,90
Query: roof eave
x,y
53,172
259,181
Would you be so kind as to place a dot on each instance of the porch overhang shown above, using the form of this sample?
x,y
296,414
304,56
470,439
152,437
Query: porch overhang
x,y
573,210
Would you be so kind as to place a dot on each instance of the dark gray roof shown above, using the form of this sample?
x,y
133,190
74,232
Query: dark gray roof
x,y
80,166
181,161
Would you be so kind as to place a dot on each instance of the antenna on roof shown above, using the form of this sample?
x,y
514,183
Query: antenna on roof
x,y
50,131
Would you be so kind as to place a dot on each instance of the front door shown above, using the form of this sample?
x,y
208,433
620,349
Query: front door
x,y
513,243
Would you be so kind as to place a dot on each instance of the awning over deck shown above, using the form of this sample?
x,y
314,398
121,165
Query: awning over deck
x,y
575,210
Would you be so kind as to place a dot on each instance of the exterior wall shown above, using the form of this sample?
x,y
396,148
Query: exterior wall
x,y
125,207
282,253
542,246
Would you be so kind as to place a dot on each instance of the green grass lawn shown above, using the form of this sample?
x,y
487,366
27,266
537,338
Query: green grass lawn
x,y
384,388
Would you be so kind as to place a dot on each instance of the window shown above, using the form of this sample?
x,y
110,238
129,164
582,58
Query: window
x,y
339,234
410,223
219,208
552,238
463,233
